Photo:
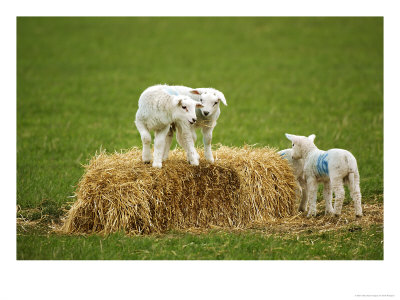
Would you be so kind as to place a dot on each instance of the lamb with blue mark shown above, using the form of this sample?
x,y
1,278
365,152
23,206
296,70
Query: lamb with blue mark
x,y
207,116
160,108
333,168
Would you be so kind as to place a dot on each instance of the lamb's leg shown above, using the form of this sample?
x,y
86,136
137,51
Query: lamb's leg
x,y
207,137
354,186
146,140
168,141
159,145
179,137
337,185
328,199
185,139
312,189
303,202
194,137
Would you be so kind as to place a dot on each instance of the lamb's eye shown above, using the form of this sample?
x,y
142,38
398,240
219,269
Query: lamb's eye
x,y
184,107
215,103
293,145
201,100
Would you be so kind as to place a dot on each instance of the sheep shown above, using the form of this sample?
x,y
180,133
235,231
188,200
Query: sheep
x,y
158,111
333,168
298,166
206,115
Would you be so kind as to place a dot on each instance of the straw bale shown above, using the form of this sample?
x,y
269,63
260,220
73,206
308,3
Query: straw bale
x,y
244,186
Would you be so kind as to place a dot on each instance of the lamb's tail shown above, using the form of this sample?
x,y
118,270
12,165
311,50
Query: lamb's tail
x,y
351,183
352,163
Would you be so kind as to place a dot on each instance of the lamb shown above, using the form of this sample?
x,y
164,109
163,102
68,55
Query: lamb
x,y
333,168
207,116
298,166
158,111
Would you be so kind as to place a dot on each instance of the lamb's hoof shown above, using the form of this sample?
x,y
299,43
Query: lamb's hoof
x,y
146,162
313,214
337,213
359,216
194,163
210,160
157,165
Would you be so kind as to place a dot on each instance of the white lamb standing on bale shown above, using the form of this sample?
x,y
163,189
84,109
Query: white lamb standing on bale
x,y
207,116
332,168
158,109
297,166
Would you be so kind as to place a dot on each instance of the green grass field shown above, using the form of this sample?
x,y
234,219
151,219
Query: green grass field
x,y
79,79
215,245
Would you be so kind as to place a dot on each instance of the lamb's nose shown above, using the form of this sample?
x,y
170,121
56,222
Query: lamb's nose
x,y
206,113
194,120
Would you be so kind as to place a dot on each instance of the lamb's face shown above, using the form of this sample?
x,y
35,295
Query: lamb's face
x,y
185,109
210,99
296,149
210,102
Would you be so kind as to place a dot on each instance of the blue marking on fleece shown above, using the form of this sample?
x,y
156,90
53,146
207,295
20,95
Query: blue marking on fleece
x,y
171,91
322,165
283,154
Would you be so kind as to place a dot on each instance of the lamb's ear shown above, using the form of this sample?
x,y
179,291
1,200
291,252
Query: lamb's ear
x,y
196,92
311,137
199,105
289,136
221,98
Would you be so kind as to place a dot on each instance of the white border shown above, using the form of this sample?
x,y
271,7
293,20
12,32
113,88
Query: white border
x,y
201,8
198,279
